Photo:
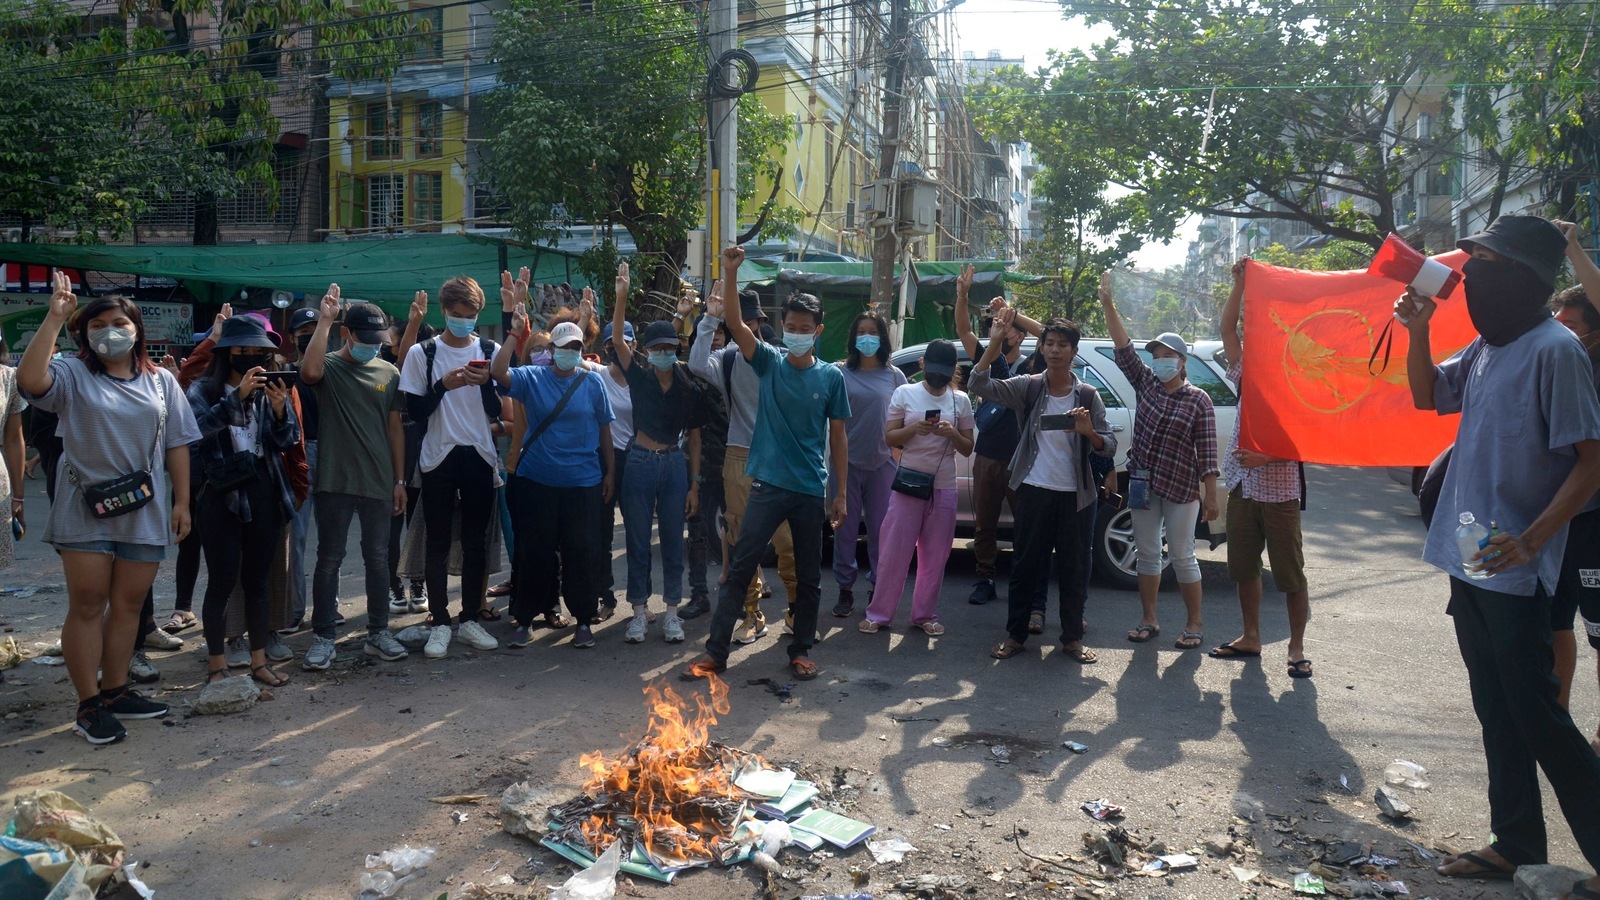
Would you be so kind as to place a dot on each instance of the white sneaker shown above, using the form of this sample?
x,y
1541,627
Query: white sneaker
x,y
672,627
160,640
475,637
637,627
236,653
438,642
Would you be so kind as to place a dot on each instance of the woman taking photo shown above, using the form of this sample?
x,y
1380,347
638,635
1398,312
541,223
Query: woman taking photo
x,y
930,422
245,422
1174,450
870,381
124,427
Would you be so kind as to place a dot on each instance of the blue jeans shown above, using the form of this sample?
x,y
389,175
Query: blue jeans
x,y
770,507
654,487
334,512
298,527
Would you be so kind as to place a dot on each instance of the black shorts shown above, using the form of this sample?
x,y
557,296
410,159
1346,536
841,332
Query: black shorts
x,y
1579,588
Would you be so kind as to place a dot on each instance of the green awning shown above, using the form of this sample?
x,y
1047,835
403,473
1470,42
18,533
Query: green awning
x,y
386,271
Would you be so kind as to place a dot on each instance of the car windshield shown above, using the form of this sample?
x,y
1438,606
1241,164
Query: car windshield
x,y
1201,376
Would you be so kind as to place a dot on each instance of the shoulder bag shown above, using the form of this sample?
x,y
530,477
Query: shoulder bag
x,y
914,482
125,493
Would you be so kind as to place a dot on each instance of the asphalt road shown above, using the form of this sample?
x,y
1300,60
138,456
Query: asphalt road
x,y
903,724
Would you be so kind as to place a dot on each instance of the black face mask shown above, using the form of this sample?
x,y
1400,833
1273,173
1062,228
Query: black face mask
x,y
243,364
302,342
1504,300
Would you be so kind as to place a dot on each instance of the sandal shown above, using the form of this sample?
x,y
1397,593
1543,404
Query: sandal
x,y
1484,868
488,613
1036,623
1144,633
931,628
803,669
1189,640
604,614
211,675
553,620
1232,650
281,679
181,620
1080,654
868,626
499,590
1300,669
1007,649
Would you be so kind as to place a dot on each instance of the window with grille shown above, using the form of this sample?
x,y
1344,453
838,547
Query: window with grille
x,y
383,132
427,200
386,201
430,26
430,128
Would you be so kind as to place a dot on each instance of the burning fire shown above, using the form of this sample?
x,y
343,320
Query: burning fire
x,y
673,791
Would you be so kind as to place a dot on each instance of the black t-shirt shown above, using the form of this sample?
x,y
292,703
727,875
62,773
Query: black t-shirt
x,y
663,416
308,411
999,440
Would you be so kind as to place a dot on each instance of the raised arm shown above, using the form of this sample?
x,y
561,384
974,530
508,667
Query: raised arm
x,y
1114,326
1232,342
700,349
418,313
317,350
33,373
1420,370
963,313
500,369
619,317
748,343
1582,266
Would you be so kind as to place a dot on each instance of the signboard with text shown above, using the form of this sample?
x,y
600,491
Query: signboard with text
x,y
22,314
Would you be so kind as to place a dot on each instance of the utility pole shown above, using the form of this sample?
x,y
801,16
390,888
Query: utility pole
x,y
886,243
722,188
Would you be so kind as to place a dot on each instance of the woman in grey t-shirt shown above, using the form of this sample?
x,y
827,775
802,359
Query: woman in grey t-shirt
x,y
119,414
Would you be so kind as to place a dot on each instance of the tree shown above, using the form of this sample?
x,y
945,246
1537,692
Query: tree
x,y
600,118
1284,111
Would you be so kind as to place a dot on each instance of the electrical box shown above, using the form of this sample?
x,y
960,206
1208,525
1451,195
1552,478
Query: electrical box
x,y
919,206
695,258
876,201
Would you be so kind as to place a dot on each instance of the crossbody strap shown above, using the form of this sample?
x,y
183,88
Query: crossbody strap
x,y
161,429
551,417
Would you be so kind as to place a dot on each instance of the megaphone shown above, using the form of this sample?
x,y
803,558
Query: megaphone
x,y
1399,261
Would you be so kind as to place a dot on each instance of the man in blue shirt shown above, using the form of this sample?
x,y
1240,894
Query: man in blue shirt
x,y
1527,458
801,410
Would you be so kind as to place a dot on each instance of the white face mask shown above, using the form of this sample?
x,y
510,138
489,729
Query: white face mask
x,y
1165,369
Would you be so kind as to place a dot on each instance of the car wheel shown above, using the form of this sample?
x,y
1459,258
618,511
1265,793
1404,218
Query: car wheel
x,y
1114,552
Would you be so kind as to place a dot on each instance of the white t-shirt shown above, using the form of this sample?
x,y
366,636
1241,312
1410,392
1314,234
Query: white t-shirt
x,y
460,420
246,439
930,452
1056,466
621,406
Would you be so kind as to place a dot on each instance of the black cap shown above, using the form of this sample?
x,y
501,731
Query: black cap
x,y
660,334
245,331
940,359
300,318
750,306
1530,240
367,323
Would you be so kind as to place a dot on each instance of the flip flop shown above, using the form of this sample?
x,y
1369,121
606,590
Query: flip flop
x,y
1081,655
489,614
1231,650
181,620
803,669
1189,640
931,628
1485,869
499,590
282,678
1144,633
1301,669
1007,649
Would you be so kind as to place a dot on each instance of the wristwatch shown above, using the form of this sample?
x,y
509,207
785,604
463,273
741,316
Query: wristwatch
x,y
400,482
698,479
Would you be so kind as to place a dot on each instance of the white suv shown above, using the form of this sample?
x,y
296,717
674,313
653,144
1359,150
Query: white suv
x,y
1113,544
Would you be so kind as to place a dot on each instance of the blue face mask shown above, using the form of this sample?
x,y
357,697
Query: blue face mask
x,y
364,353
799,344
460,327
1165,369
663,359
868,344
567,360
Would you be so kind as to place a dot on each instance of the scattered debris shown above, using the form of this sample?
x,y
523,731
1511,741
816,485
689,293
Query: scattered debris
x,y
1000,752
1219,845
1179,861
904,719
1244,876
598,882
458,817
225,697
60,843
940,742
1102,809
1545,882
389,870
1390,804
458,799
784,692
891,851
1307,883
1075,747
1406,773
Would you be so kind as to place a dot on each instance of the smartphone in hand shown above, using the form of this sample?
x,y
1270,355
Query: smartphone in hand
x,y
479,363
1057,422
930,415
285,377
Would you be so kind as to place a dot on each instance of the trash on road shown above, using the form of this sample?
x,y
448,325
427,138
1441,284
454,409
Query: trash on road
x,y
1243,875
56,841
1000,752
49,660
388,871
1406,773
1382,861
1178,862
1307,883
598,882
1390,804
130,873
784,692
1075,747
225,697
891,851
458,817
1102,809
458,799
10,653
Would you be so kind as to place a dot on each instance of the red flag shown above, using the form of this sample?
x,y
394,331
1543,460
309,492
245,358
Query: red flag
x,y
1309,392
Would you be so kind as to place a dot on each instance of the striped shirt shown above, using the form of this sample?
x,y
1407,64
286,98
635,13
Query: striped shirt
x,y
1174,434
108,429
1275,482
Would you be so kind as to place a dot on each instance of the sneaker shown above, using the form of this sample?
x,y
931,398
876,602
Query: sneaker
x,y
438,642
320,657
672,627
397,602
788,621
236,653
277,650
160,640
97,725
419,598
583,638
846,604
384,646
473,635
752,629
982,592
295,627
130,704
637,627
140,669
521,636
695,608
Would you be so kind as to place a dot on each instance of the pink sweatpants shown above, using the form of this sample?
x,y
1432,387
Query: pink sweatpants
x,y
923,526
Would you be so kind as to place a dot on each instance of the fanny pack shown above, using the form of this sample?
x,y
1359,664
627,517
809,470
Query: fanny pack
x,y
988,414
125,493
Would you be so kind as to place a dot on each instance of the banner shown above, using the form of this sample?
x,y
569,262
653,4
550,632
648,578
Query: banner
x,y
1309,393
22,314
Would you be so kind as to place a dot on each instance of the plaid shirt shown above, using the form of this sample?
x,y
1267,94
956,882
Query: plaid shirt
x,y
1275,482
1174,434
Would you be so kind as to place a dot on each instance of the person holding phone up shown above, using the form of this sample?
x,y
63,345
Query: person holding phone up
x,y
1063,423
1174,452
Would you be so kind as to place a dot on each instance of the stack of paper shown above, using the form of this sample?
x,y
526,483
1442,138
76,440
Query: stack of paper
x,y
840,831
794,801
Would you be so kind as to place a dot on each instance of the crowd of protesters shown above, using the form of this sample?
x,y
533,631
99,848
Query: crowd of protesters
x,y
717,444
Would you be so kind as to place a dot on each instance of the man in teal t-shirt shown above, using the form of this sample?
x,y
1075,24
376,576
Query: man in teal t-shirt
x,y
800,415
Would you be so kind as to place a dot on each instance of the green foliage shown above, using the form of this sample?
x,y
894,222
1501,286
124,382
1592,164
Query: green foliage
x,y
1335,256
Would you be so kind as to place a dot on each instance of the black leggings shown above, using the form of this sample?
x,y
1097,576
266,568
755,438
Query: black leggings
x,y
239,552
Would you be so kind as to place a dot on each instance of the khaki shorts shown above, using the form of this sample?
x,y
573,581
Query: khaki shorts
x,y
1254,526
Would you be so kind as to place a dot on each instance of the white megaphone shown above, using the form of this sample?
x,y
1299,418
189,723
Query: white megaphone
x,y
1399,261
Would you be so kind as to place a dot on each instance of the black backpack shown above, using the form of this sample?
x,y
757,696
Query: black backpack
x,y
423,407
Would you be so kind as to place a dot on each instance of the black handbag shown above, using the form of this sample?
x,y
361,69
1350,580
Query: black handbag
x,y
913,483
125,493
236,470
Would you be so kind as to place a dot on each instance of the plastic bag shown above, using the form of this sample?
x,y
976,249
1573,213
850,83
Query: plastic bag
x,y
403,860
598,882
51,817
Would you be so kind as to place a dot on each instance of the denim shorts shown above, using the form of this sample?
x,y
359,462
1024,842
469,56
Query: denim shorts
x,y
120,549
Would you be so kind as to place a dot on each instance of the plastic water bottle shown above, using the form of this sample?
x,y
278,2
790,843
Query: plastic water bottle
x,y
1471,537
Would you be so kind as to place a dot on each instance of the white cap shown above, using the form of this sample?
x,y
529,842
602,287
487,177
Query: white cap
x,y
565,333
